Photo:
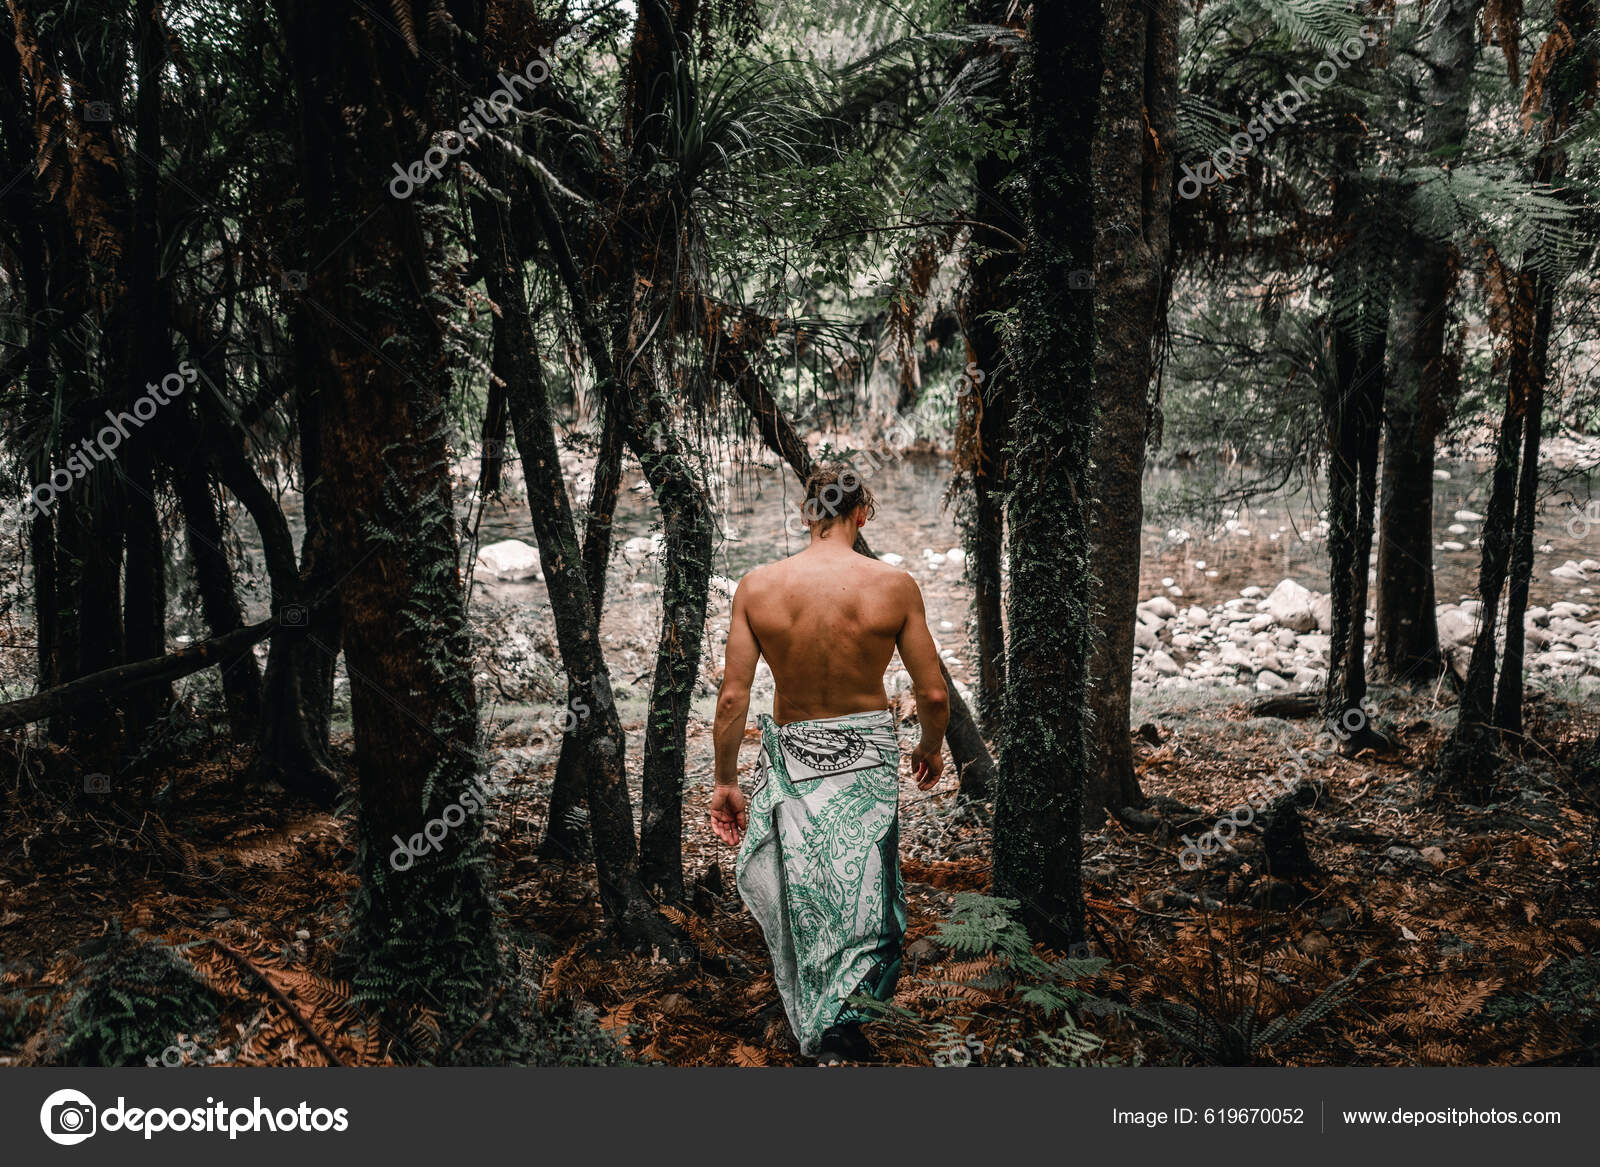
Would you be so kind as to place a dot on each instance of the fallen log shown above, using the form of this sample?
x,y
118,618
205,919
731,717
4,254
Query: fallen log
x,y
975,766
98,686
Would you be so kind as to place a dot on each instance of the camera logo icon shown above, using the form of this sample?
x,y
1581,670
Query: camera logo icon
x,y
68,1117
97,783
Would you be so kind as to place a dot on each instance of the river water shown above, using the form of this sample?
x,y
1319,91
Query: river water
x,y
1206,557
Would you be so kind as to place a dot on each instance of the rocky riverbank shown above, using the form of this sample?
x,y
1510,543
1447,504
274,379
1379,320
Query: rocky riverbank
x,y
1279,640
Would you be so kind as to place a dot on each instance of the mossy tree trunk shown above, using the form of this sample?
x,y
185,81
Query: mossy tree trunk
x,y
982,427
425,931
1043,752
1133,165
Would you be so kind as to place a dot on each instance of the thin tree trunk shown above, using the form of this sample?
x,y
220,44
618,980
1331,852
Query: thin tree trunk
x,y
241,677
147,344
1038,808
599,729
563,831
1134,159
1471,754
982,426
1508,698
1423,376
1353,415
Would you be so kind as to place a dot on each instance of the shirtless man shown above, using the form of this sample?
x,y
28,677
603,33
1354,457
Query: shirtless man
x,y
827,621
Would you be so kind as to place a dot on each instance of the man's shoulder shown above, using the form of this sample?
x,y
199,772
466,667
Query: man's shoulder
x,y
890,581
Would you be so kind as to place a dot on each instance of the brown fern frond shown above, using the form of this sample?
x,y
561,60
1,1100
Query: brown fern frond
x,y
1502,24
407,22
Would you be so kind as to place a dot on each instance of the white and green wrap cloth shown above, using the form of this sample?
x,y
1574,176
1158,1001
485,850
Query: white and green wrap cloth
x,y
820,865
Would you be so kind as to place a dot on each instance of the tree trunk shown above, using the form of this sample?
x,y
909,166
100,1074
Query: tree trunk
x,y
1134,159
424,920
1423,376
1354,419
241,676
1508,699
1038,808
144,338
1471,754
603,760
563,830
1353,414
982,424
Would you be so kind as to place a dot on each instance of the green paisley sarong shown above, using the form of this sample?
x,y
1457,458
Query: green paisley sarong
x,y
820,865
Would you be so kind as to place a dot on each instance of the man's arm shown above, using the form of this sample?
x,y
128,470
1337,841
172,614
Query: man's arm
x,y
728,818
921,658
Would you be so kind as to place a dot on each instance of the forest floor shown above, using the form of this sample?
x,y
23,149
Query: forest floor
x,y
1450,933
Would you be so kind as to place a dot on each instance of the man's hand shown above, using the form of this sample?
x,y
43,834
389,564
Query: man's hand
x,y
927,766
728,816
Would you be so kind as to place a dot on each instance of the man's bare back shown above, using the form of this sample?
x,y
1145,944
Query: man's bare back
x,y
827,626
827,620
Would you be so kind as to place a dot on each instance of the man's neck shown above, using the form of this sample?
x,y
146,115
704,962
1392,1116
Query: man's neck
x,y
838,539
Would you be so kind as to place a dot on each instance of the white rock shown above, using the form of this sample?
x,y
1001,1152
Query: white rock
x,y
1456,529
510,559
1456,628
1569,572
1441,476
1198,616
1163,664
638,549
956,555
1160,606
1290,605
1252,592
1267,680
1144,636
891,558
1468,517
1322,609
1452,545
